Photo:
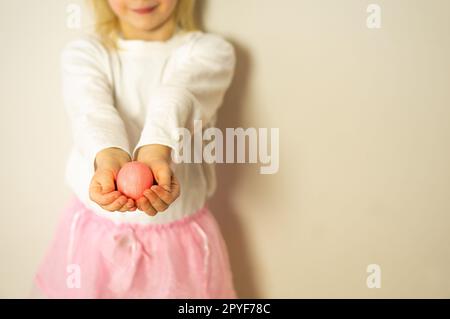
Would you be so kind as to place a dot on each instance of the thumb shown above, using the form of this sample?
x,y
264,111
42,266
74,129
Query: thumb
x,y
106,180
163,176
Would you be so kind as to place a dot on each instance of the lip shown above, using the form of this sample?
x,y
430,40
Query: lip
x,y
146,10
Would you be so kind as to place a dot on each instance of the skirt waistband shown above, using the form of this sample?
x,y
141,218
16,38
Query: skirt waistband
x,y
79,209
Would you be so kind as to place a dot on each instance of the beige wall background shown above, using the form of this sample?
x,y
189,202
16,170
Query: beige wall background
x,y
363,114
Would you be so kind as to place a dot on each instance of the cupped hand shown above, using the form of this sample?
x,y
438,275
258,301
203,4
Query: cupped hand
x,y
102,189
159,197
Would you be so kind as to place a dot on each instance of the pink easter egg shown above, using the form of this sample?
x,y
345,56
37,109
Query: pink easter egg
x,y
133,179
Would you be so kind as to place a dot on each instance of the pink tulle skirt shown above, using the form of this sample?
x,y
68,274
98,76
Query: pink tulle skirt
x,y
92,257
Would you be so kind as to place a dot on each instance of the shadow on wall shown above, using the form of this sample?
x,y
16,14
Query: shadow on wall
x,y
228,175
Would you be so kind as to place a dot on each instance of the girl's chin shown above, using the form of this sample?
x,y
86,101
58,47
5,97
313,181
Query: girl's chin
x,y
145,26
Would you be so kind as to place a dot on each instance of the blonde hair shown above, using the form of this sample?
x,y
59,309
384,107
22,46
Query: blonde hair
x,y
107,24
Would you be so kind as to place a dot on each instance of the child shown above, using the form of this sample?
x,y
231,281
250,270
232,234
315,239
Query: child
x,y
127,88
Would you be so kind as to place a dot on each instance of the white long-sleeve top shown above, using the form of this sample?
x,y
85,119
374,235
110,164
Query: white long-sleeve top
x,y
140,95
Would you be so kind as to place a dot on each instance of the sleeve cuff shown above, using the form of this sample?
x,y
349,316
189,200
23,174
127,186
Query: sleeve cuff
x,y
161,141
93,153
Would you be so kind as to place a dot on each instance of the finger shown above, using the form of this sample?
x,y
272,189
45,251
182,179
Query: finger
x,y
127,206
163,177
162,194
144,205
106,180
168,197
95,194
176,188
117,204
155,201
